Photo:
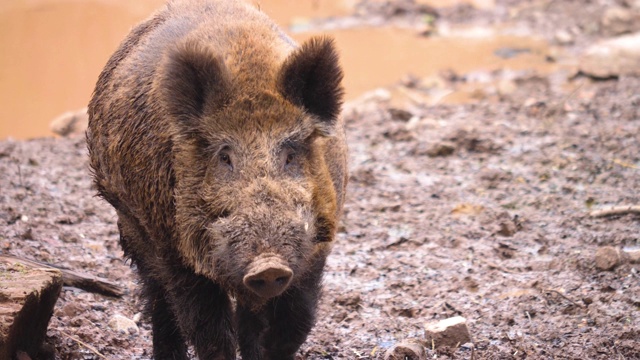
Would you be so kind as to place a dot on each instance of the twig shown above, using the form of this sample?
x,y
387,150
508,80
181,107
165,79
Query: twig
x,y
563,296
616,210
417,99
20,174
625,164
80,342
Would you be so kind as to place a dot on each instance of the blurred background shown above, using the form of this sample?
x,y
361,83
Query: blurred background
x,y
52,51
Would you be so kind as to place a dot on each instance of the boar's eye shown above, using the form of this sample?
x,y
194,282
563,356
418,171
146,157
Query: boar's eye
x,y
225,158
290,158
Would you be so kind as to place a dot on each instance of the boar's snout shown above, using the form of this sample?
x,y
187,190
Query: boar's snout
x,y
268,277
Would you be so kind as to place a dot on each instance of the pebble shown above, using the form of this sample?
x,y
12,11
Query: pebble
x,y
123,324
451,332
137,318
406,350
564,37
443,148
506,87
71,309
71,123
607,258
612,57
632,255
618,20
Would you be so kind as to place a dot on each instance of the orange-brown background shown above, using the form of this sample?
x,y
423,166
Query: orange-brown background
x,y
51,51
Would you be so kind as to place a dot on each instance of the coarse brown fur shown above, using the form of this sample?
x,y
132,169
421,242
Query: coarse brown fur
x,y
219,143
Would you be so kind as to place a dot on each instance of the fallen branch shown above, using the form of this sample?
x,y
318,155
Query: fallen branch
x,y
72,278
563,296
91,348
616,210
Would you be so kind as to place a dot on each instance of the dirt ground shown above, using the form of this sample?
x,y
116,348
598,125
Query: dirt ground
x,y
481,210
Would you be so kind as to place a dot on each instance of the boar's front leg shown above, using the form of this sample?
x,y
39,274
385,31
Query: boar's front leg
x,y
182,305
203,312
168,342
278,330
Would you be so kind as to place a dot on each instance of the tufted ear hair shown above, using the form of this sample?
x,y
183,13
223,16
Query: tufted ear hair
x,y
194,80
312,78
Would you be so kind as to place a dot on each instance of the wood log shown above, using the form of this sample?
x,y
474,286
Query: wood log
x,y
27,298
72,278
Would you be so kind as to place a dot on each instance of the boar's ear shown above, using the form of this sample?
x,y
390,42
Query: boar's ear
x,y
311,77
194,79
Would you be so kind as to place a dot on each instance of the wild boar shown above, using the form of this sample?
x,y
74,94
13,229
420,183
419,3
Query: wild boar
x,y
220,145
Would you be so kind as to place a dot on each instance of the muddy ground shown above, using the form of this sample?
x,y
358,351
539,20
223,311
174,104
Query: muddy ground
x,y
480,209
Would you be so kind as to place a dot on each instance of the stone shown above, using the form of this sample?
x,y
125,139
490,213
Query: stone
x,y
632,255
613,57
506,87
71,123
451,332
406,350
607,258
564,37
618,20
123,324
440,149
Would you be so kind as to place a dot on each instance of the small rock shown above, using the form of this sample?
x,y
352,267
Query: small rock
x,y
506,87
564,37
632,255
78,321
400,114
351,300
71,309
443,148
451,332
123,324
618,20
607,258
406,350
613,57
137,318
507,228
71,123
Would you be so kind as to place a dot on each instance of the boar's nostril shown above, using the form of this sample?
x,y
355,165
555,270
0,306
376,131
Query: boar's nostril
x,y
256,284
268,280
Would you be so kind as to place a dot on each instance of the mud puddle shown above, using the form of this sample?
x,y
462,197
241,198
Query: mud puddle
x,y
378,57
54,50
52,54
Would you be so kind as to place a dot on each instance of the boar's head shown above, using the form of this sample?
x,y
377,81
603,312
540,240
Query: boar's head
x,y
255,202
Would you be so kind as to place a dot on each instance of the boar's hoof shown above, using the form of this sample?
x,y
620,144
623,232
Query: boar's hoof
x,y
268,278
